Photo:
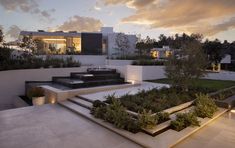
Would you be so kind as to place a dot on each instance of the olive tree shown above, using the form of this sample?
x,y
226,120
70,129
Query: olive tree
x,y
186,65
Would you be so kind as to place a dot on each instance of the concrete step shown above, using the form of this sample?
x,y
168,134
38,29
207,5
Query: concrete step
x,y
85,99
81,102
75,108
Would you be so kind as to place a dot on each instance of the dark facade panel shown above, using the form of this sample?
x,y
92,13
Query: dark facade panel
x,y
91,43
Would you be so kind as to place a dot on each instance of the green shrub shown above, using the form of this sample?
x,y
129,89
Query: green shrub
x,y
116,114
162,117
184,120
147,120
148,62
99,112
98,103
110,98
205,106
132,125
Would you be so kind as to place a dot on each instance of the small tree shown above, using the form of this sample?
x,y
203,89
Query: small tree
x,y
186,65
29,44
1,37
39,46
122,43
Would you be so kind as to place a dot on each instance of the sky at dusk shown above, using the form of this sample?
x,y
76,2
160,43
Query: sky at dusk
x,y
212,18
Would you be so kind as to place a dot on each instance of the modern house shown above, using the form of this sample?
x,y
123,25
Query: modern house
x,y
110,38
89,43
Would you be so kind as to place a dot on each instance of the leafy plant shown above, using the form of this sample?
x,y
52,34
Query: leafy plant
x,y
205,106
110,98
184,120
162,117
147,120
99,112
147,62
116,114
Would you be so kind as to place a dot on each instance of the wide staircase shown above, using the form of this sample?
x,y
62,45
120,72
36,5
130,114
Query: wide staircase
x,y
93,77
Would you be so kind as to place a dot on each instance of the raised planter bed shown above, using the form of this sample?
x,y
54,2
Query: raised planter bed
x,y
159,128
168,138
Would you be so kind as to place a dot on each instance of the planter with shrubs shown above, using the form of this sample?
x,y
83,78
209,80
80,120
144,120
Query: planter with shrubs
x,y
184,120
37,96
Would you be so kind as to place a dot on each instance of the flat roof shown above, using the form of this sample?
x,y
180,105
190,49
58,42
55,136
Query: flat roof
x,y
57,33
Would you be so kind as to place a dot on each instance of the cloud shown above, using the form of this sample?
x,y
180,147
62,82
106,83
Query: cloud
x,y
26,6
79,23
204,16
13,32
129,3
1,27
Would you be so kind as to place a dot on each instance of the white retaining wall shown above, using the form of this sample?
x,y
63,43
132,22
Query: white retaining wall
x,y
12,82
118,62
222,75
140,73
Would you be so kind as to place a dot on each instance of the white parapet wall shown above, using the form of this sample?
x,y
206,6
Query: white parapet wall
x,y
12,82
140,73
118,62
222,75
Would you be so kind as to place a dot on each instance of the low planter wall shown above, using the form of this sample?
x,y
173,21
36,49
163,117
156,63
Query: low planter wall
x,y
118,62
12,82
222,75
141,73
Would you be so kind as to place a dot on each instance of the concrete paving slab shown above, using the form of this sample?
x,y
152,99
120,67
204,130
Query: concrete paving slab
x,y
53,126
220,133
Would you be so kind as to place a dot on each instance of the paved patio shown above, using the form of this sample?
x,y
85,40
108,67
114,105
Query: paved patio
x,y
218,134
52,126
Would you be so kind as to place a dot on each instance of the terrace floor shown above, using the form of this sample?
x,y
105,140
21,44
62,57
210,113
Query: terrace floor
x,y
54,126
121,92
220,133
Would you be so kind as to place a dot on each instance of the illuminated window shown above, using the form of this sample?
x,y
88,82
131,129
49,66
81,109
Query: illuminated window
x,y
77,44
155,54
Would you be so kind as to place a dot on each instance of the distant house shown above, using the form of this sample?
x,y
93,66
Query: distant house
x,y
161,53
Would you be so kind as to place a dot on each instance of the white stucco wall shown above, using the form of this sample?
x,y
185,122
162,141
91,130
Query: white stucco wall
x,y
222,75
119,62
12,82
141,73
111,39
96,60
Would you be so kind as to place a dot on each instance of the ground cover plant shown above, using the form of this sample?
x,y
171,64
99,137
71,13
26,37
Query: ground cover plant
x,y
204,106
184,120
156,100
147,62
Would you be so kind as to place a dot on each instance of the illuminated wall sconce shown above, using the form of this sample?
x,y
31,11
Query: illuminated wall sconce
x,y
131,81
52,100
